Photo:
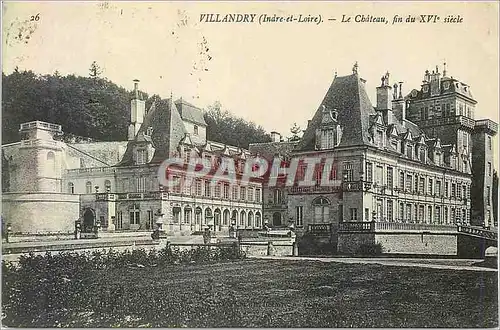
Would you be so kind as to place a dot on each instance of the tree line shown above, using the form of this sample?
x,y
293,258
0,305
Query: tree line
x,y
96,108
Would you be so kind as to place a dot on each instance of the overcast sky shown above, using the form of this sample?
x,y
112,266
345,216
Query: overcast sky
x,y
274,74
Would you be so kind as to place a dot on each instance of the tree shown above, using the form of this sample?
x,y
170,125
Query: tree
x,y
95,70
226,128
295,130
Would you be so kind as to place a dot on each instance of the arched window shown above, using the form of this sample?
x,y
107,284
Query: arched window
x,y
107,186
242,218
257,220
250,219
225,218
88,187
71,188
321,210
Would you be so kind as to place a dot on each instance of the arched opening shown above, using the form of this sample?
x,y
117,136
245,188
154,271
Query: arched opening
x,y
88,221
234,217
321,210
225,218
217,219
188,213
51,161
242,218
250,219
198,212
258,218
208,216
71,187
276,219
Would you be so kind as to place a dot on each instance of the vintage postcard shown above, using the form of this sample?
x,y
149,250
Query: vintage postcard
x,y
276,164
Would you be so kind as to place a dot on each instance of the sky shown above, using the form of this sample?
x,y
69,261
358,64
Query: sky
x,y
273,74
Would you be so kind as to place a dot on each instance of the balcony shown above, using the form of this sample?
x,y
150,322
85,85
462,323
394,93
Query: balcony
x,y
355,226
358,226
320,229
475,231
41,125
488,125
88,170
39,143
143,195
314,189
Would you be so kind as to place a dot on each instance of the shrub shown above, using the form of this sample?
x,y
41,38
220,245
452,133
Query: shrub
x,y
371,249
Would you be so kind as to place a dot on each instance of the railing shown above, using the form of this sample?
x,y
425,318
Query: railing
x,y
105,197
352,186
478,232
143,195
413,226
91,170
312,189
356,226
38,143
320,229
491,125
462,120
41,124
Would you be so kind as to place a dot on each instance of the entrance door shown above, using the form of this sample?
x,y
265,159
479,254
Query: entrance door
x,y
277,219
88,221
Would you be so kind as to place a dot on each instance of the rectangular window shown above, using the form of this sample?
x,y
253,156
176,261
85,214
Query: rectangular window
x,y
135,217
243,193
176,185
250,194
453,215
409,151
341,213
217,190
379,176
421,212
431,190
464,192
389,177
367,214
354,214
150,222
438,215
389,210
489,168
445,219
409,181
408,212
488,195
489,142
369,169
401,211
446,189
438,188
429,213
119,220
257,195
453,190
348,172
234,193
141,156
198,187
195,130
226,190
299,215
421,186
401,180
208,188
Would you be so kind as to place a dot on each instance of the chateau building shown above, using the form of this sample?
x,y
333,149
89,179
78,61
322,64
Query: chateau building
x,y
414,159
116,184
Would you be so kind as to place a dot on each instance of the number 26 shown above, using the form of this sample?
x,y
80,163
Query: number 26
x,y
35,18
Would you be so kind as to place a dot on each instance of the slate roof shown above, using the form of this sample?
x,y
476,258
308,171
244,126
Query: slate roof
x,y
348,96
168,131
269,149
190,112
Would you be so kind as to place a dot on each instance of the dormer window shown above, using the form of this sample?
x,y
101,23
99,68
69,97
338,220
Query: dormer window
x,y
141,156
328,138
414,93
195,130
380,138
149,131
425,89
446,85
409,151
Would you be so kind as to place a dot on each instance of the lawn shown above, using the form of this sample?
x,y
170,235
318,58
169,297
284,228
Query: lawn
x,y
264,293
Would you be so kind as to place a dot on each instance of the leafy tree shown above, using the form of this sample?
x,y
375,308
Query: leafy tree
x,y
225,128
295,130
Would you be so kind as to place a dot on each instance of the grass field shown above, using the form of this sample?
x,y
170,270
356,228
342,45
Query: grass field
x,y
263,293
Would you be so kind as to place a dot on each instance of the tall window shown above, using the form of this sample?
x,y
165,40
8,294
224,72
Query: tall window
x,y
453,190
421,185
401,180
299,215
234,193
488,195
429,213
243,193
489,168
347,172
107,186
369,169
445,219
328,139
195,130
119,220
389,210
141,156
88,187
353,214
409,151
321,210
71,188
207,188
489,142
198,187
226,190
389,177
135,216
401,211
431,190
409,181
257,195
378,175
277,196
438,188
380,138
250,194
421,211
438,214
446,189
217,190
150,221
408,212
176,184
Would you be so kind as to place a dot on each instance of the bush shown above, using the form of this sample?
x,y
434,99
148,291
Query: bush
x,y
370,249
52,289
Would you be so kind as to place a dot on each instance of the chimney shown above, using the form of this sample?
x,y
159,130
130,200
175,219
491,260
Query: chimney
x,y
275,137
137,110
136,88
384,99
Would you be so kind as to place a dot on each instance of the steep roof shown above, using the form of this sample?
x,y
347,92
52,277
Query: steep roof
x,y
190,112
168,131
270,149
348,96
